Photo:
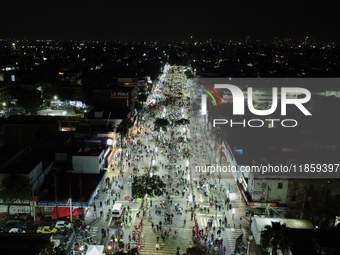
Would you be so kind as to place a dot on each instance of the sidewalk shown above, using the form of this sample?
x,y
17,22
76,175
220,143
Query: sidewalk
x,y
219,187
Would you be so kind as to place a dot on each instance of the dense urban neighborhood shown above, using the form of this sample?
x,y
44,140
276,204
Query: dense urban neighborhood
x,y
110,148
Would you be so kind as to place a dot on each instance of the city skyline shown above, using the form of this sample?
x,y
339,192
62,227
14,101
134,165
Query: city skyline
x,y
169,21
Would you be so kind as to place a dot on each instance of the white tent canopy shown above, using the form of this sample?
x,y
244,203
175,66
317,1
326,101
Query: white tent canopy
x,y
258,224
95,249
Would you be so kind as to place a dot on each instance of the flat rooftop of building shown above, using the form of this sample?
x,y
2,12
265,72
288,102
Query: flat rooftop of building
x,y
108,113
80,186
26,161
32,120
89,150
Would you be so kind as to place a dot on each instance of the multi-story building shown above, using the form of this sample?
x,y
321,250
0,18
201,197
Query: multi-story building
x,y
116,98
89,160
21,161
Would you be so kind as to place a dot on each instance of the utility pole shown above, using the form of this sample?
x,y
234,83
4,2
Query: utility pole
x,y
268,189
81,194
55,195
303,203
33,206
70,200
268,205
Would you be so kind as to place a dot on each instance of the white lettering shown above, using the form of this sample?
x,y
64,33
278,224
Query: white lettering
x,y
298,101
262,112
255,120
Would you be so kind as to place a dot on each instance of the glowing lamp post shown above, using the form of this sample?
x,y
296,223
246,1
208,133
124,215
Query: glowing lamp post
x,y
109,142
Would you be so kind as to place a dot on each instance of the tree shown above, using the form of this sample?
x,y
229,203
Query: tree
x,y
123,129
14,188
273,237
197,251
145,184
142,98
189,74
182,122
186,153
160,123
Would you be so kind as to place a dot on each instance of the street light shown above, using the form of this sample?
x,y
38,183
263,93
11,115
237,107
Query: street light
x,y
153,162
248,247
268,189
70,201
109,142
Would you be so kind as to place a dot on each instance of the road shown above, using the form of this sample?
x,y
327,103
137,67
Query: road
x,y
184,198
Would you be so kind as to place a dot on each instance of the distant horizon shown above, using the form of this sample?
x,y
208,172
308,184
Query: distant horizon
x,y
187,40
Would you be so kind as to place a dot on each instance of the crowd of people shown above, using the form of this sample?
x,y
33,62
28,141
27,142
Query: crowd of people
x,y
165,148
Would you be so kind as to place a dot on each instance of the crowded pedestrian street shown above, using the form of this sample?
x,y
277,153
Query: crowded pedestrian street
x,y
203,211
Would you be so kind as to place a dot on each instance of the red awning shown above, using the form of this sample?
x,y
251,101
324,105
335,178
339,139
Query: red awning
x,y
77,212
65,212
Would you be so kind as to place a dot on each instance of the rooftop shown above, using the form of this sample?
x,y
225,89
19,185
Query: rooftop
x,y
80,186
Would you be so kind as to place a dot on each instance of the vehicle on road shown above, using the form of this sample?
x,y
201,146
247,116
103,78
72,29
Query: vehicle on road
x,y
15,224
117,210
46,230
16,230
62,224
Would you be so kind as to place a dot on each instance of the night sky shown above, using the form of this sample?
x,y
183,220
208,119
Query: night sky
x,y
168,20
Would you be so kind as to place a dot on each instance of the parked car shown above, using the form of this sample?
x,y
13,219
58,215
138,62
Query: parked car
x,y
46,230
16,230
15,224
62,224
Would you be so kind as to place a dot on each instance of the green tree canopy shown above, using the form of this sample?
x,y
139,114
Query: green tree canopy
x,y
186,153
124,126
145,184
182,122
142,97
273,237
160,123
